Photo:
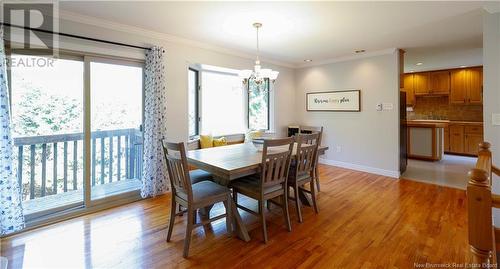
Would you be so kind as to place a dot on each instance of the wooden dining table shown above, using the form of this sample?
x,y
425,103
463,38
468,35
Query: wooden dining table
x,y
232,162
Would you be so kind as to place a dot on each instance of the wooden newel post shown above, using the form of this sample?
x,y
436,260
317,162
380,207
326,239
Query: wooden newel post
x,y
479,203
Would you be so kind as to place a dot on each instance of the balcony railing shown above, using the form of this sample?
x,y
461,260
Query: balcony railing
x,y
53,164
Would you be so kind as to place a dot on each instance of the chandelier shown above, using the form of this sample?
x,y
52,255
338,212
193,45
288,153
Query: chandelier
x,y
258,74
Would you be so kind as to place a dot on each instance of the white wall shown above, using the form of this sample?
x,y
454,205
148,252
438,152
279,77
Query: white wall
x,y
368,139
178,57
491,80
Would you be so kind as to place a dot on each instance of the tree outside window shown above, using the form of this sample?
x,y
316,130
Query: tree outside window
x,y
258,105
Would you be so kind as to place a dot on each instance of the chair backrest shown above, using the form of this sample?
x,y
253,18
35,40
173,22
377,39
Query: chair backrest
x,y
313,129
276,155
480,200
306,156
178,170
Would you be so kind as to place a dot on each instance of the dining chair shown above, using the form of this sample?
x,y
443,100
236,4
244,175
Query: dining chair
x,y
192,196
196,175
319,130
270,182
302,171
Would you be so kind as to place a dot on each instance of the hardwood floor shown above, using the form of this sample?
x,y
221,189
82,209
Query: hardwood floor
x,y
365,221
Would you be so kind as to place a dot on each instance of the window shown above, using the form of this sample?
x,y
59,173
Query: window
x,y
222,105
258,106
193,117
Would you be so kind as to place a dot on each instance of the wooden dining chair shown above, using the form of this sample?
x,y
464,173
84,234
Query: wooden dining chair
x,y
192,196
270,182
319,130
302,171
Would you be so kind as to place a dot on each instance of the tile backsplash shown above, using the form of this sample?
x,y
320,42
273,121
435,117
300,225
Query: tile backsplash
x,y
440,108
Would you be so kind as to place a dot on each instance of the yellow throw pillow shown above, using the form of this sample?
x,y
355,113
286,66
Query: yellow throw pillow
x,y
222,141
253,135
206,141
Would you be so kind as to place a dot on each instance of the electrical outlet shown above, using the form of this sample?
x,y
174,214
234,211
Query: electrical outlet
x,y
339,149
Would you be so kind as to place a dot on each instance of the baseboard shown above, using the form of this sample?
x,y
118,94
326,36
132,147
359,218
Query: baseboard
x,y
362,168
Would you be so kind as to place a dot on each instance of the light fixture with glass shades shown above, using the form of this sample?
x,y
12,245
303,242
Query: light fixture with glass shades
x,y
258,74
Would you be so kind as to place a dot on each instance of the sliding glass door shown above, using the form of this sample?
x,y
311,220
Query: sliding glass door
x,y
47,118
116,89
77,127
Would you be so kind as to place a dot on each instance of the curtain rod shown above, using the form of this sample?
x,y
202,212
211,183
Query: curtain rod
x,y
76,36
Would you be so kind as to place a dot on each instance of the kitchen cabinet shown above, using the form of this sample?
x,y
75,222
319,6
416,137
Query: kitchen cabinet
x,y
458,91
440,82
475,85
457,138
464,138
408,88
472,143
466,86
421,83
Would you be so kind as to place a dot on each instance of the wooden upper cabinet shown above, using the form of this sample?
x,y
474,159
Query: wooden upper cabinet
x,y
408,88
421,83
458,88
475,85
440,82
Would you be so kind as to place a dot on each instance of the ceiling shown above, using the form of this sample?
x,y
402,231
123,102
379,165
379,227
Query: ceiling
x,y
294,31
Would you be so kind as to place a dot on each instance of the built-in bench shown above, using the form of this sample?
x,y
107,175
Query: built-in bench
x,y
231,139
483,236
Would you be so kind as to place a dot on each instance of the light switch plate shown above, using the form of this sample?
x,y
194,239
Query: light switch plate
x,y
379,107
495,119
387,106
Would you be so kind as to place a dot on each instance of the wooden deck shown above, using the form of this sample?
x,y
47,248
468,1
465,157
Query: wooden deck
x,y
74,198
365,221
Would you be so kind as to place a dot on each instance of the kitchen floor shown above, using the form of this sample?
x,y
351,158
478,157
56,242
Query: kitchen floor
x,y
451,171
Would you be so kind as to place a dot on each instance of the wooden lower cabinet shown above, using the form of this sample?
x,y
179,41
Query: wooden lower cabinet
x,y
446,139
456,138
463,138
472,143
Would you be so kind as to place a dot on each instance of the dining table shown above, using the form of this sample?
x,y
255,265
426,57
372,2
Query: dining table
x,y
231,162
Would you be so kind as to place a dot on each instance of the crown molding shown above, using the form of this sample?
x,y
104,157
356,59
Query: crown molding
x,y
492,7
349,58
74,17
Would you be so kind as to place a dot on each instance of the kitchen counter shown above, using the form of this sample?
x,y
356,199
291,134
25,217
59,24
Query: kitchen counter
x,y
426,139
427,123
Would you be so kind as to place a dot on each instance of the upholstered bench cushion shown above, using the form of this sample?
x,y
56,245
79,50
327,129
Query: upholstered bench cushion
x,y
199,175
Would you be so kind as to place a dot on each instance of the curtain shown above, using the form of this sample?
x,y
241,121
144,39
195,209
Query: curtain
x,y
154,173
11,211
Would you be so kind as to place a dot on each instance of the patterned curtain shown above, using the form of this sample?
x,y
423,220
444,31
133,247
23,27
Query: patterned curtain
x,y
11,211
154,173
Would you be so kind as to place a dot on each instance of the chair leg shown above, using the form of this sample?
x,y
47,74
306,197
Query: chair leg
x,y
235,196
268,205
173,209
189,229
313,197
286,213
263,220
229,216
297,202
316,177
